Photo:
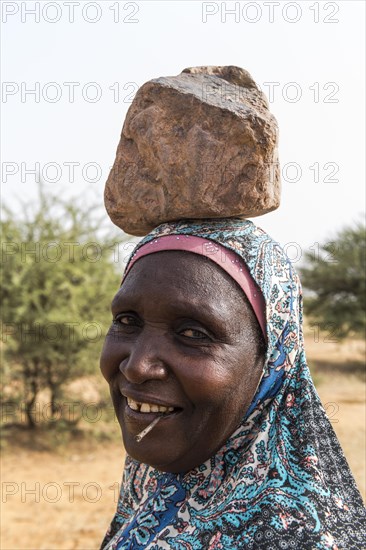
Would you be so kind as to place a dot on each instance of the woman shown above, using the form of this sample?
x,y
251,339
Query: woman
x,y
207,338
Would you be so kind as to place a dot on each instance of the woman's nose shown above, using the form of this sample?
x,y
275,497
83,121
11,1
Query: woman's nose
x,y
145,361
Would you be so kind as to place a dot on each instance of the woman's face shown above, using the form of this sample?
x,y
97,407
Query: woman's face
x,y
183,338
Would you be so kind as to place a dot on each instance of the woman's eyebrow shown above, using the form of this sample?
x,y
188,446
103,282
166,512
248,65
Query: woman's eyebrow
x,y
209,314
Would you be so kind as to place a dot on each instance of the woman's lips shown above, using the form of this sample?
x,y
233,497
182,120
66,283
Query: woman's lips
x,y
149,401
147,412
144,407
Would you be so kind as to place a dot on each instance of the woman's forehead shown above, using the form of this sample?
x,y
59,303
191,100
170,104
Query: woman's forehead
x,y
198,273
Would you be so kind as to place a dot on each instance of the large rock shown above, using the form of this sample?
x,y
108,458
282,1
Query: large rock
x,y
202,144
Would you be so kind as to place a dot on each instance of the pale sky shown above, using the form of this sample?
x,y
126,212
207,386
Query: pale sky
x,y
311,52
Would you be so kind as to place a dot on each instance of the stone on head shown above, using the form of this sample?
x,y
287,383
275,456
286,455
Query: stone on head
x,y
202,144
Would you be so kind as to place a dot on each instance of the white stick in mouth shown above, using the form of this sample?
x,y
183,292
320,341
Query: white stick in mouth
x,y
148,429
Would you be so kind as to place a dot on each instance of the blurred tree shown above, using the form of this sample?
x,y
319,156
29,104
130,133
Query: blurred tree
x,y
59,274
335,275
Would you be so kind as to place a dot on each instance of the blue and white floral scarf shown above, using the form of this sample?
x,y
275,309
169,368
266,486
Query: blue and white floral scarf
x,y
281,480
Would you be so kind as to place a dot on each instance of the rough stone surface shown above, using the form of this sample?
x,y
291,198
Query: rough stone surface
x,y
202,144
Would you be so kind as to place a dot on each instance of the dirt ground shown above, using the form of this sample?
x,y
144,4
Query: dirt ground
x,y
65,500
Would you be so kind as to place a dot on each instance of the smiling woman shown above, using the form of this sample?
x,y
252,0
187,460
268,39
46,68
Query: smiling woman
x,y
206,351
184,345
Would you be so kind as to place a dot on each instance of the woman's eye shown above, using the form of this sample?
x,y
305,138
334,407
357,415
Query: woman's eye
x,y
123,321
194,333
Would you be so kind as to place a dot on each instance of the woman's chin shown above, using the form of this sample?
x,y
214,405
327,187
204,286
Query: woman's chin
x,y
154,454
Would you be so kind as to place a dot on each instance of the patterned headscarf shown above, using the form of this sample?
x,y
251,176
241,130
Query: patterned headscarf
x,y
281,480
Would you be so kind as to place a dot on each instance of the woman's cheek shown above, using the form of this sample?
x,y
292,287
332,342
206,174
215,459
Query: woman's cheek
x,y
110,360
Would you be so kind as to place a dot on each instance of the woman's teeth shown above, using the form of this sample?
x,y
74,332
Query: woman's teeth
x,y
147,407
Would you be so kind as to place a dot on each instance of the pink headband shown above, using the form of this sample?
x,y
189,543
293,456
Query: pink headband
x,y
228,260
